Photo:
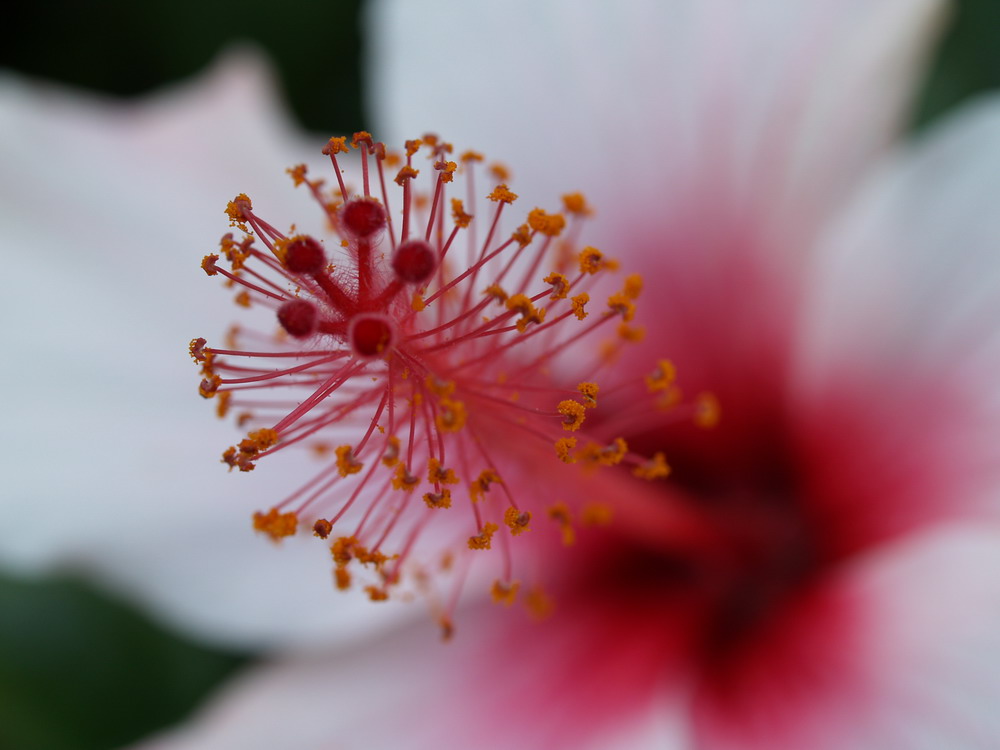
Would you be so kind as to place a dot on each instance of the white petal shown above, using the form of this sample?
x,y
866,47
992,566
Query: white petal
x,y
109,458
771,110
905,299
405,690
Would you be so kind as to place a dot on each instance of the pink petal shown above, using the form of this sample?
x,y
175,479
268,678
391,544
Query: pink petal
x,y
916,670
112,465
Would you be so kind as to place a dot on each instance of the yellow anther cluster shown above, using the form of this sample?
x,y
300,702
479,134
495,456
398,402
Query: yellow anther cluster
x,y
538,603
579,303
438,474
470,156
412,146
573,413
497,292
440,499
522,304
596,514
633,286
592,260
707,410
275,524
620,304
298,174
596,454
450,415
564,449
589,392
484,539
347,464
662,377
500,171
322,528
576,203
559,283
336,145
208,264
362,137
404,174
551,225
236,209
505,593
654,468
501,194
402,479
447,170
522,235
560,513
481,485
518,521
458,214
390,457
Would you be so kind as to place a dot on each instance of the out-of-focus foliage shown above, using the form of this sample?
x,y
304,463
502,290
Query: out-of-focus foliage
x,y
80,671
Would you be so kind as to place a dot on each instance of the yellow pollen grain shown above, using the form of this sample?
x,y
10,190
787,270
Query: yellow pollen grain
x,y
707,410
589,392
450,416
560,513
391,454
518,521
484,539
458,214
481,485
573,413
501,194
298,174
633,286
654,468
504,593
447,170
208,264
522,235
559,284
564,450
440,499
347,464
551,225
539,604
275,524
596,514
661,378
438,474
336,145
576,203
620,304
403,479
404,174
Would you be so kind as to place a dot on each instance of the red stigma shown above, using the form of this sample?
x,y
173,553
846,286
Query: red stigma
x,y
298,318
370,335
304,255
362,217
414,261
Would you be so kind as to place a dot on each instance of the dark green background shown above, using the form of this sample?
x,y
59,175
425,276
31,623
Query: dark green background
x,y
78,670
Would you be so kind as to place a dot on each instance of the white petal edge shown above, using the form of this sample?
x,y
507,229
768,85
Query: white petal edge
x,y
110,459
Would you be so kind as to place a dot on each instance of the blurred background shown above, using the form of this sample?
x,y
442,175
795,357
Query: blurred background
x,y
78,669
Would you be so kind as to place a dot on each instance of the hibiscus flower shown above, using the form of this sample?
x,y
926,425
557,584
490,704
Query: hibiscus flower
x,y
820,572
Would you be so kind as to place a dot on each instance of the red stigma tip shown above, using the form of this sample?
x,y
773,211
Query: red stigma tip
x,y
370,334
362,217
298,317
304,255
414,261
